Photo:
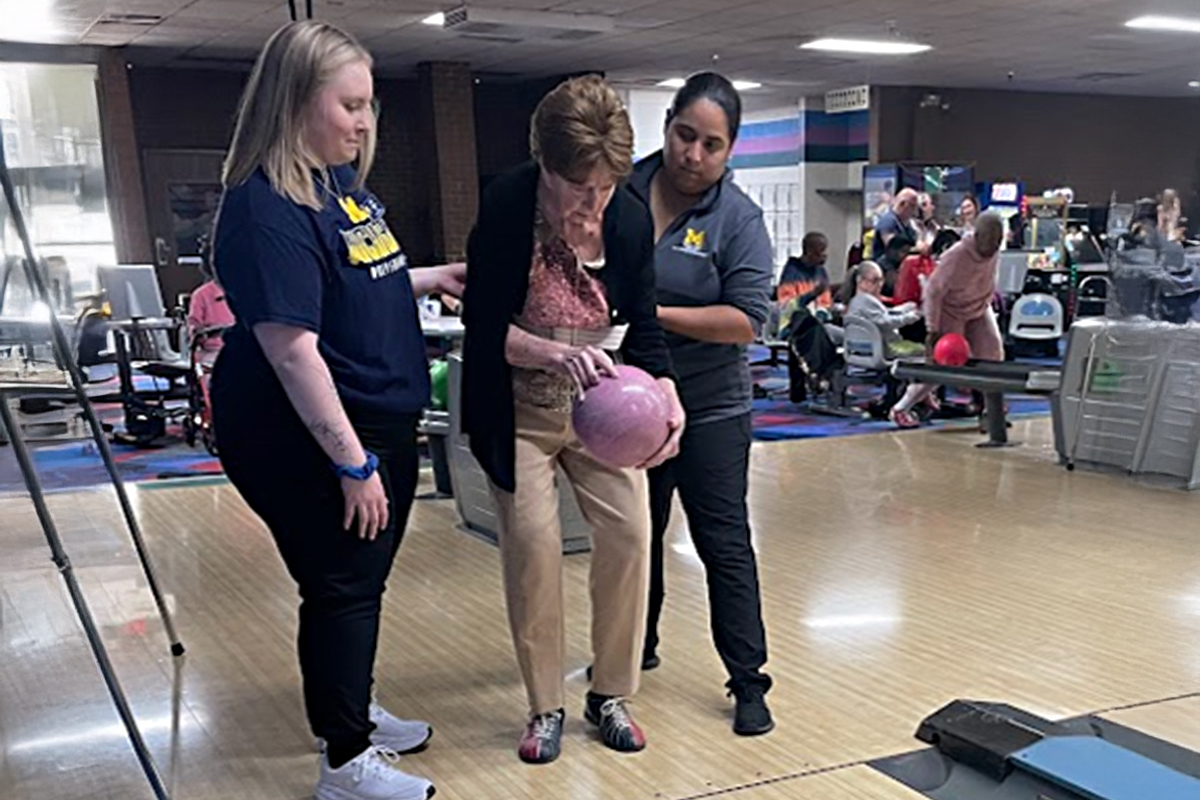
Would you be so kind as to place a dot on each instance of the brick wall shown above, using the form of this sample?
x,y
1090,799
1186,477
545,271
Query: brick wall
x,y
183,109
396,176
448,125
502,114
441,136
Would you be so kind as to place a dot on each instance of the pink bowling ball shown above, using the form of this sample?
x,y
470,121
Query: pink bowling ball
x,y
622,421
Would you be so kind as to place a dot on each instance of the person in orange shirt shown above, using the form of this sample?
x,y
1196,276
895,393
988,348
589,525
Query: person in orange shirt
x,y
804,283
806,277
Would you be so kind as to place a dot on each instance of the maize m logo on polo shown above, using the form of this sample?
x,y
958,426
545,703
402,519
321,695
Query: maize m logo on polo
x,y
693,242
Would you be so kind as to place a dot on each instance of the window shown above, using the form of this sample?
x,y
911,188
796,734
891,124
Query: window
x,y
50,129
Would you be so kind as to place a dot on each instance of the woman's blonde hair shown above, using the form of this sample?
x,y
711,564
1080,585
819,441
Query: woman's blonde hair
x,y
580,125
297,61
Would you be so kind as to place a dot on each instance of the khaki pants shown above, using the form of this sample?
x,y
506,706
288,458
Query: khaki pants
x,y
616,506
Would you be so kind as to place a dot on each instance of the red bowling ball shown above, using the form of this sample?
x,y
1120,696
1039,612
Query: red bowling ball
x,y
952,350
622,421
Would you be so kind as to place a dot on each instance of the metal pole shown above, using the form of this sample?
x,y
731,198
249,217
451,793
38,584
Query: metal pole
x,y
996,422
63,353
1083,398
81,608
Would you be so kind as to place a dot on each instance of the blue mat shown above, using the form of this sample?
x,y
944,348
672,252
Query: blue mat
x,y
1100,770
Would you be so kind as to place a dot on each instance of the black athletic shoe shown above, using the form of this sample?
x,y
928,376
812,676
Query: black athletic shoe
x,y
648,663
617,728
752,717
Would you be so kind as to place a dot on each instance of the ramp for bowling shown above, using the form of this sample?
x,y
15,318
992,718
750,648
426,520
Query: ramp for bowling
x,y
992,751
471,493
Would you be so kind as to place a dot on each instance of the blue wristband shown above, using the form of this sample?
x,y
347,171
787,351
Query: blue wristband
x,y
359,473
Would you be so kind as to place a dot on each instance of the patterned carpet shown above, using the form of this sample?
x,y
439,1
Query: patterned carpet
x,y
77,464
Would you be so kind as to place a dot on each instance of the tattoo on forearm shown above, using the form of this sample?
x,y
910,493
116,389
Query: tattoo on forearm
x,y
327,432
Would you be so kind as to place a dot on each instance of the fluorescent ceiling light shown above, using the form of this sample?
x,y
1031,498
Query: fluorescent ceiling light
x,y
33,21
1154,23
1194,84
882,48
678,83
438,19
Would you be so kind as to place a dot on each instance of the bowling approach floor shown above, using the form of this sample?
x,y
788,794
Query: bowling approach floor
x,y
900,571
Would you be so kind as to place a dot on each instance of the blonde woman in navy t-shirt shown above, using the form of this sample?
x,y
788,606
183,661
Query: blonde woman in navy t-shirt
x,y
317,392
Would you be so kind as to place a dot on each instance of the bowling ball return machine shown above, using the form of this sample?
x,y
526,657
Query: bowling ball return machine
x,y
994,379
995,751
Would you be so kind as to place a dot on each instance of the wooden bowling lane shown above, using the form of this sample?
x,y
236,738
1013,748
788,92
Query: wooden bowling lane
x,y
849,783
1175,721
899,572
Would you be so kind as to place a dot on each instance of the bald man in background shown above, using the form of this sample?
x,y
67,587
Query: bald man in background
x,y
895,236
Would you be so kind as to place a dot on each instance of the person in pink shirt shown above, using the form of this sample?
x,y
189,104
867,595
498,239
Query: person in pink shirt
x,y
208,310
958,299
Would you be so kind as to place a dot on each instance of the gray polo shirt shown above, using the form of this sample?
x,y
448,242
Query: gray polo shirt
x,y
718,253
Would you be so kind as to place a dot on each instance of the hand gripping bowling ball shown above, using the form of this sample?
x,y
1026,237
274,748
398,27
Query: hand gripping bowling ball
x,y
622,421
952,350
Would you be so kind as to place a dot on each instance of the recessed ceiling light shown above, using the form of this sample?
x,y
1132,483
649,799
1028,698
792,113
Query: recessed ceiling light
x,y
438,19
1194,84
865,46
743,86
1154,23
672,83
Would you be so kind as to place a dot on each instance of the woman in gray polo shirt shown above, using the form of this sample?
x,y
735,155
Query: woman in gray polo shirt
x,y
713,261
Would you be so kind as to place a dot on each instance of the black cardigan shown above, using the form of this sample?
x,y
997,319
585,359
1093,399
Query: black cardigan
x,y
499,258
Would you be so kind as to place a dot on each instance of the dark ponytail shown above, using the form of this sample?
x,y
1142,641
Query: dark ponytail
x,y
716,89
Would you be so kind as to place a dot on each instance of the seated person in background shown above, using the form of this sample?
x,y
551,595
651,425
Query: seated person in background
x,y
803,286
804,282
805,277
866,303
207,311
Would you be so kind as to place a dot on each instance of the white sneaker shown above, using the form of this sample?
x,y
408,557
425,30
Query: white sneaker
x,y
373,775
401,735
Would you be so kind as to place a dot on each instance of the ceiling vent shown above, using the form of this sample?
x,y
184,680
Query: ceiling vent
x,y
148,20
1103,77
502,24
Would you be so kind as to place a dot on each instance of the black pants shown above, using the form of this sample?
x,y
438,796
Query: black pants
x,y
285,477
808,340
710,473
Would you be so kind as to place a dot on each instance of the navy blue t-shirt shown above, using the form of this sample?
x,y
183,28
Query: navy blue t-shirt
x,y
905,234
338,272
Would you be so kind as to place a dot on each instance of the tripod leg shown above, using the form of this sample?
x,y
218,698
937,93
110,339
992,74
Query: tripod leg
x,y
63,352
63,563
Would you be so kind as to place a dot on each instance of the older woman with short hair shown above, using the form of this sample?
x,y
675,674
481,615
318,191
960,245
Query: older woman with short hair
x,y
561,266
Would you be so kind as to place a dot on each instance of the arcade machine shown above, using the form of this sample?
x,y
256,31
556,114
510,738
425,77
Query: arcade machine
x,y
1007,200
1034,280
